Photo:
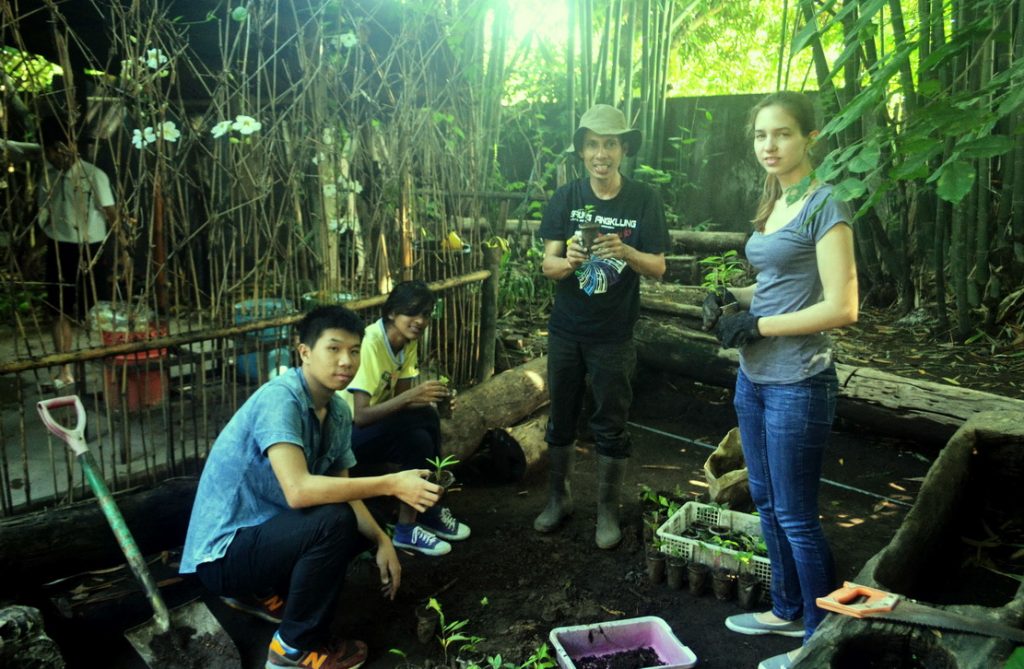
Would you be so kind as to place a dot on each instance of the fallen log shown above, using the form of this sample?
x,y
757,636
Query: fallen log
x,y
46,545
889,404
530,436
502,400
693,241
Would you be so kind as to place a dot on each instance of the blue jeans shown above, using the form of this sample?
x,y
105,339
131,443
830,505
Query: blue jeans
x,y
784,429
610,367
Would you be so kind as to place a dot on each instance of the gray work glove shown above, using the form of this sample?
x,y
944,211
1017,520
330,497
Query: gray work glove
x,y
712,308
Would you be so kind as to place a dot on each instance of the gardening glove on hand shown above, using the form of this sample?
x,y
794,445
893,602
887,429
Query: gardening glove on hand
x,y
737,330
711,310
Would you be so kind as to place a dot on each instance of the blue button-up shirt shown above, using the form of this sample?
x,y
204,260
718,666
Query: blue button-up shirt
x,y
238,487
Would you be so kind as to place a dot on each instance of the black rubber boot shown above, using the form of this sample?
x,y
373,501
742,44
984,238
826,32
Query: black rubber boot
x,y
560,465
610,472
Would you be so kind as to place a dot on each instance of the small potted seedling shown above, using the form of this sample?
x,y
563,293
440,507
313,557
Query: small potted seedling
x,y
655,559
441,475
652,521
449,633
697,573
723,580
447,405
675,570
748,585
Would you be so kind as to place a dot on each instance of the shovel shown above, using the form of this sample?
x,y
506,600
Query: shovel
x,y
188,637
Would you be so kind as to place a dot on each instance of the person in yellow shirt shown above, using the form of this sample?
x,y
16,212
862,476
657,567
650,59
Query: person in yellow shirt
x,y
395,418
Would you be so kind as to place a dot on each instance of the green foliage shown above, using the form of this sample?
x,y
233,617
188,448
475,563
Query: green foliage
x,y
664,505
440,464
721,271
523,289
28,72
19,301
1016,659
450,632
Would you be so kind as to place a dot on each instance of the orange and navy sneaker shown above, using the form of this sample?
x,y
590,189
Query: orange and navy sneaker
x,y
340,654
269,608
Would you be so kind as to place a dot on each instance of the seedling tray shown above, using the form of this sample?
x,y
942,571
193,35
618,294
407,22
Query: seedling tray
x,y
579,641
711,554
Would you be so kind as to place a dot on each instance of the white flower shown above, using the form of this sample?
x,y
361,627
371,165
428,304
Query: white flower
x,y
142,138
154,59
169,131
221,129
246,125
348,40
330,190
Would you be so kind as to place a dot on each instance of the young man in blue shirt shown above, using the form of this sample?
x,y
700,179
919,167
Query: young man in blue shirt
x,y
277,519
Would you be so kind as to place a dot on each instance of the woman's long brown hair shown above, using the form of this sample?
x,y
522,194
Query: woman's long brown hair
x,y
800,107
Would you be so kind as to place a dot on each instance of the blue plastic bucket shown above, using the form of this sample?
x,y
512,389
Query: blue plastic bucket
x,y
248,311
260,366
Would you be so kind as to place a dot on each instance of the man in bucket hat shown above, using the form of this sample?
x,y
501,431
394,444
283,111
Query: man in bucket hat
x,y
601,234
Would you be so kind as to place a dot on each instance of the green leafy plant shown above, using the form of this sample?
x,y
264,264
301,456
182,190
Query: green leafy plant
x,y
665,504
746,561
721,271
540,659
450,633
523,290
440,464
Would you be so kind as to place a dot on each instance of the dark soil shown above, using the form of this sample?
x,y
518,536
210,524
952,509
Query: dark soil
x,y
638,658
182,648
513,585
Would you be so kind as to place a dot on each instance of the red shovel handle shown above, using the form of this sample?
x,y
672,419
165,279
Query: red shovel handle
x,y
73,437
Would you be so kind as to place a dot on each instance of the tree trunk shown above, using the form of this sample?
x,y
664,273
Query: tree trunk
x,y
502,401
530,437
886,403
45,545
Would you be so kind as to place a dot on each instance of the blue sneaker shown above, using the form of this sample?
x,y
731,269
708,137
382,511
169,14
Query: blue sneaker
x,y
443,524
415,538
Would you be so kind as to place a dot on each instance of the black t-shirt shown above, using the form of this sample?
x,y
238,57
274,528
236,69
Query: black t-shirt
x,y
637,215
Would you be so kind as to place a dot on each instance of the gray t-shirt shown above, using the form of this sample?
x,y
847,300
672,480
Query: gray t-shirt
x,y
787,281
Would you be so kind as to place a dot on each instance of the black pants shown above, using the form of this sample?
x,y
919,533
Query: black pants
x,y
72,290
610,368
301,555
406,438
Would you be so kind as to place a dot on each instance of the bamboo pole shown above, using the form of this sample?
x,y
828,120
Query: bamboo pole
x,y
489,313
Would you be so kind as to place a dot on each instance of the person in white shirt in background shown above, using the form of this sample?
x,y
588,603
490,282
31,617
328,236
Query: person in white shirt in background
x,y
76,212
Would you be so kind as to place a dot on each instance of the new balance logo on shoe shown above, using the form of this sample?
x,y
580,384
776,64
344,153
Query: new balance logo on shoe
x,y
270,609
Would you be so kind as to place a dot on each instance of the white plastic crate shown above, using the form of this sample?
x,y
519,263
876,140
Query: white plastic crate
x,y
711,554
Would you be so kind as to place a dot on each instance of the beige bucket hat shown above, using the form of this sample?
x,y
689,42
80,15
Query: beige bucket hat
x,y
607,120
